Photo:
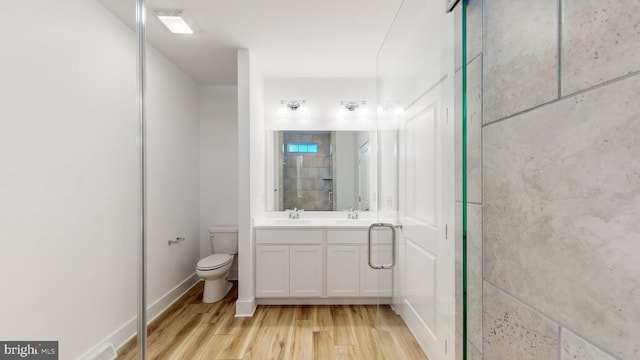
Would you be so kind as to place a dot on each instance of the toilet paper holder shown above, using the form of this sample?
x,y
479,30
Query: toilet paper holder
x,y
177,240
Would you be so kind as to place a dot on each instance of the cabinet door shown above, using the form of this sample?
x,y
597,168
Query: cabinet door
x,y
305,271
272,271
375,282
343,270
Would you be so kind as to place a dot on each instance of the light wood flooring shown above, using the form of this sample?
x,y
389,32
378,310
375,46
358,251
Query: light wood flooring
x,y
190,329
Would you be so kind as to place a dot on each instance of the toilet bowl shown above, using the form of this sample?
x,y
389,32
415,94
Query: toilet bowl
x,y
214,269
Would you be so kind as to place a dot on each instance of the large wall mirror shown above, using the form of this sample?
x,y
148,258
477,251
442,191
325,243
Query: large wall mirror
x,y
321,170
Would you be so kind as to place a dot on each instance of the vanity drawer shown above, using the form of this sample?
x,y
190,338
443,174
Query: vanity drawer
x,y
293,236
347,236
359,236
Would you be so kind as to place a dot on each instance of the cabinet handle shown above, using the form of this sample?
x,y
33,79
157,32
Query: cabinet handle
x,y
393,246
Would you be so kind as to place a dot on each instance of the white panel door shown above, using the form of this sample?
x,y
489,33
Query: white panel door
x,y
364,159
375,282
305,271
272,271
425,193
343,270
415,78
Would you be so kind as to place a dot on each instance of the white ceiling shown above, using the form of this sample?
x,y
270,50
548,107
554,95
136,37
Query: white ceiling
x,y
291,38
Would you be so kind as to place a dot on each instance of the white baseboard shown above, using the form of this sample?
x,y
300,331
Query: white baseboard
x,y
246,307
160,305
127,331
324,301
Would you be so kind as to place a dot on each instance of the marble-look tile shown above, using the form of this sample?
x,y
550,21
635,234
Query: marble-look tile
x,y
574,347
474,32
562,212
600,41
474,133
472,352
312,173
520,56
512,330
474,273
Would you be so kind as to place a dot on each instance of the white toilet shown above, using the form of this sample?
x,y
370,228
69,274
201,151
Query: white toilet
x,y
214,269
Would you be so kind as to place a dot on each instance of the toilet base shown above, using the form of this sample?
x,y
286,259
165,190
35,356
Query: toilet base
x,y
215,290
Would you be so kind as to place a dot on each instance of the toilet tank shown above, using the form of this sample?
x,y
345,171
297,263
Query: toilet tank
x,y
224,239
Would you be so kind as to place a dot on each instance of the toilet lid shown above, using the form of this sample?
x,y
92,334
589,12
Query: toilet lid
x,y
214,261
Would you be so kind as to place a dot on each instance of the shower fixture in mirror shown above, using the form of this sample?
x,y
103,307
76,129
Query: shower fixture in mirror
x,y
451,4
321,170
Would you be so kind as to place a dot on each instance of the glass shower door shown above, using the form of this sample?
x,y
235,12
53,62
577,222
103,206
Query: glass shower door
x,y
68,188
416,173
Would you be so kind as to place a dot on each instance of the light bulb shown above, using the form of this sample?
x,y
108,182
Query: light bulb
x,y
175,24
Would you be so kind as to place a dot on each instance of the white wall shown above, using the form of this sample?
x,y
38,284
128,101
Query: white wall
x,y
68,189
218,162
246,286
323,96
323,102
251,162
257,137
69,185
173,176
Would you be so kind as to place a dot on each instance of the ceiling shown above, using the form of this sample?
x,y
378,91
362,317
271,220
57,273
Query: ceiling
x,y
290,38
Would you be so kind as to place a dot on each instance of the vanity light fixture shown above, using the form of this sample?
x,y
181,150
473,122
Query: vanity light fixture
x,y
293,105
175,20
352,105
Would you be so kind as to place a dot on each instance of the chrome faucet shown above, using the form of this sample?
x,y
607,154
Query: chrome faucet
x,y
295,213
353,214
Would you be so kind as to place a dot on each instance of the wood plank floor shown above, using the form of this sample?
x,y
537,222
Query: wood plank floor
x,y
190,329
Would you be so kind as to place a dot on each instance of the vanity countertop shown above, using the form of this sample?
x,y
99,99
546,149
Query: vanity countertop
x,y
270,223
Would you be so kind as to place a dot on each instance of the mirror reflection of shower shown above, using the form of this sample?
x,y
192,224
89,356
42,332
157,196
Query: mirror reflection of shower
x,y
321,170
307,170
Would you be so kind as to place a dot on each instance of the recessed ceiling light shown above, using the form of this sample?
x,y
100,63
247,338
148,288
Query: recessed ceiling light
x,y
174,20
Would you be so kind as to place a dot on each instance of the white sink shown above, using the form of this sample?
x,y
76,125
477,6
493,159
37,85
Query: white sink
x,y
292,221
315,222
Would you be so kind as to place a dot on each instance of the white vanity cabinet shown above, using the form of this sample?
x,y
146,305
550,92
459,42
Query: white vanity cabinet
x,y
348,271
272,271
343,261
289,263
343,270
375,282
320,263
305,271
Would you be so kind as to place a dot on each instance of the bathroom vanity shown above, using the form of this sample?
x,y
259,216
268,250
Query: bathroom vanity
x,y
320,261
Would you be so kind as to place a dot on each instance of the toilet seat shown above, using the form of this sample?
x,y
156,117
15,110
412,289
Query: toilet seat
x,y
214,261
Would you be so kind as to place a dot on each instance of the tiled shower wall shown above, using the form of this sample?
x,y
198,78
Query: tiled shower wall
x,y
559,239
474,180
308,178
